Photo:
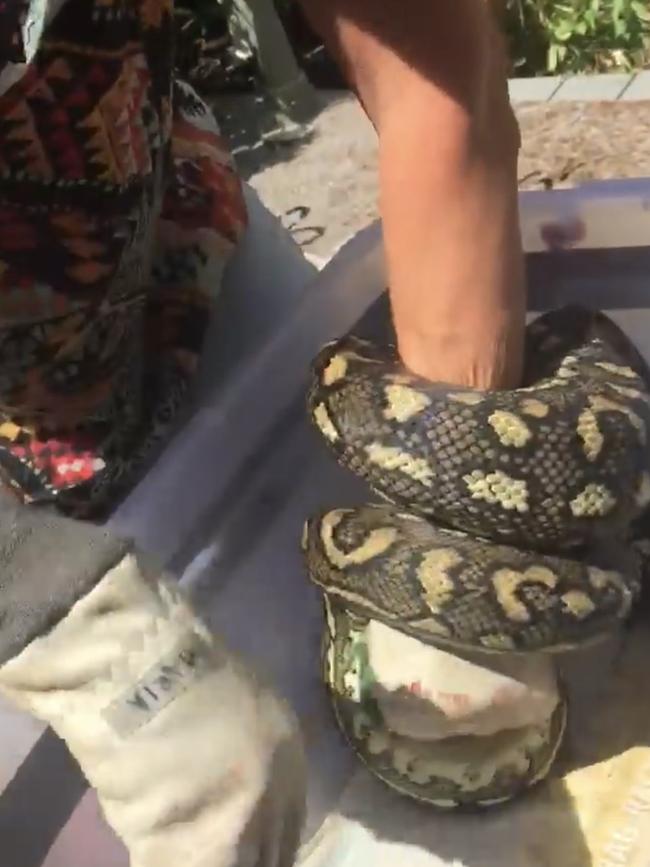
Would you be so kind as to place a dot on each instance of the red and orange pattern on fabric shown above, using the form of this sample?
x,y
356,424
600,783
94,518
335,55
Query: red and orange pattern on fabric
x,y
117,196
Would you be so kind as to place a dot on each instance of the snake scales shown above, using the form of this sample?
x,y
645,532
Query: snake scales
x,y
507,529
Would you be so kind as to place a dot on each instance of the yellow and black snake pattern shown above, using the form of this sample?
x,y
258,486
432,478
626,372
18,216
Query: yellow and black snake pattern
x,y
507,527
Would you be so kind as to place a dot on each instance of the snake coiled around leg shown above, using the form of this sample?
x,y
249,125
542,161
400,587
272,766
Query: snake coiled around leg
x,y
505,529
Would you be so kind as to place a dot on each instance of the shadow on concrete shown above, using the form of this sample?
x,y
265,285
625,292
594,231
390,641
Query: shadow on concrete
x,y
244,120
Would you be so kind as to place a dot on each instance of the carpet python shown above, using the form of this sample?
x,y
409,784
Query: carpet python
x,y
505,527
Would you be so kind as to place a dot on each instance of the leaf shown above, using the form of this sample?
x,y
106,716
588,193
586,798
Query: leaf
x,y
641,10
581,35
563,31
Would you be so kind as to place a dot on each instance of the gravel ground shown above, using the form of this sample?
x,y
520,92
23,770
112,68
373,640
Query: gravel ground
x,y
325,189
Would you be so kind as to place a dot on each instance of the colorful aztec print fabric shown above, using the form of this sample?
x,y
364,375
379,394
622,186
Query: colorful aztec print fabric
x,y
119,205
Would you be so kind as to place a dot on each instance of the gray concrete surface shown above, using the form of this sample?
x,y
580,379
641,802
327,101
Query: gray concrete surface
x,y
325,188
586,88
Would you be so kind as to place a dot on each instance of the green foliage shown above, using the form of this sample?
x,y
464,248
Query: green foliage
x,y
578,36
545,36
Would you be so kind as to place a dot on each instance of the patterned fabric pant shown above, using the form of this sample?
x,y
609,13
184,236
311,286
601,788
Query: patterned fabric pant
x,y
119,206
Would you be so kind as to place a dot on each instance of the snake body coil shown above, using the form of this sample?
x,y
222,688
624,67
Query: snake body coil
x,y
506,530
